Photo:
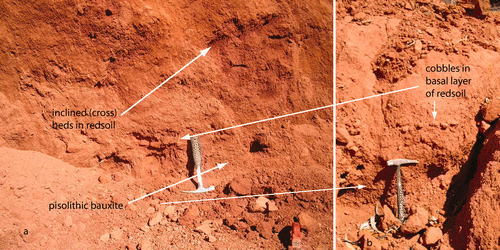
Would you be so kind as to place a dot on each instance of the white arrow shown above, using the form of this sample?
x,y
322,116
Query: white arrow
x,y
187,137
258,195
219,166
359,186
434,113
202,53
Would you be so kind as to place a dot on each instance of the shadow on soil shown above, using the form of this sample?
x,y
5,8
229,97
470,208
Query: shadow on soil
x,y
285,236
190,163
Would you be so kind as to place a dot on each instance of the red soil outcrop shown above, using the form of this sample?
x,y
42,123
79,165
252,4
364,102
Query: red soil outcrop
x,y
267,58
384,46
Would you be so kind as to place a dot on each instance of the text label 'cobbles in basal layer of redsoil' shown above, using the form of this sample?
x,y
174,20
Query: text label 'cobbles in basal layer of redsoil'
x,y
448,84
72,116
75,205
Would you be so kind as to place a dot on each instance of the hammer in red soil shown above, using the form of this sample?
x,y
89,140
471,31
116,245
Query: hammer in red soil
x,y
196,147
401,193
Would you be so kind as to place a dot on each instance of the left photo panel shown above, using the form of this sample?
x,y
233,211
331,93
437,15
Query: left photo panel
x,y
166,124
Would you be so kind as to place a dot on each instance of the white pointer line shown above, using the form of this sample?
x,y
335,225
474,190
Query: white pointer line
x,y
258,195
434,113
301,112
202,53
219,166
392,92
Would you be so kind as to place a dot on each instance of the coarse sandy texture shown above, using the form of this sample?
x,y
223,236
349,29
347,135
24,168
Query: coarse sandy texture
x,y
384,46
267,58
30,181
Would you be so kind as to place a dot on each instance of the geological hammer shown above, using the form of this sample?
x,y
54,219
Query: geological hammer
x,y
196,147
401,192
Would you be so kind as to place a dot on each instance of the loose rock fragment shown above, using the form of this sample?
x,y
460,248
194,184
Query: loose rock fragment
x,y
431,236
189,215
483,126
145,245
416,222
173,217
104,237
419,247
117,234
150,210
169,210
271,206
117,177
343,136
389,220
209,222
418,46
204,228
252,235
104,178
307,222
360,16
259,205
265,229
241,186
491,110
130,246
210,238
155,219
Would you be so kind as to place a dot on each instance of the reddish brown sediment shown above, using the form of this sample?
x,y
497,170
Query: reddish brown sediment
x,y
392,49
266,59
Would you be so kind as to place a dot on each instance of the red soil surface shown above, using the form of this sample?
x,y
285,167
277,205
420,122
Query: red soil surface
x,y
266,59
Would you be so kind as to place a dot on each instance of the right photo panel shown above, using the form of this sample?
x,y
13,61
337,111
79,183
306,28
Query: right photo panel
x,y
418,102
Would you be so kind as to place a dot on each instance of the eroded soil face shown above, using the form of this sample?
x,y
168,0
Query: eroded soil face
x,y
386,46
266,59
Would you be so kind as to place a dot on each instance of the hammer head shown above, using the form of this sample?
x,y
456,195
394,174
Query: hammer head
x,y
200,189
400,162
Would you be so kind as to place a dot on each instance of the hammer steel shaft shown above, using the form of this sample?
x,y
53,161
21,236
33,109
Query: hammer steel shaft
x,y
401,192
401,196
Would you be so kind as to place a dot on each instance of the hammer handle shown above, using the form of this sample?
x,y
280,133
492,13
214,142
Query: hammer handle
x,y
400,196
196,148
